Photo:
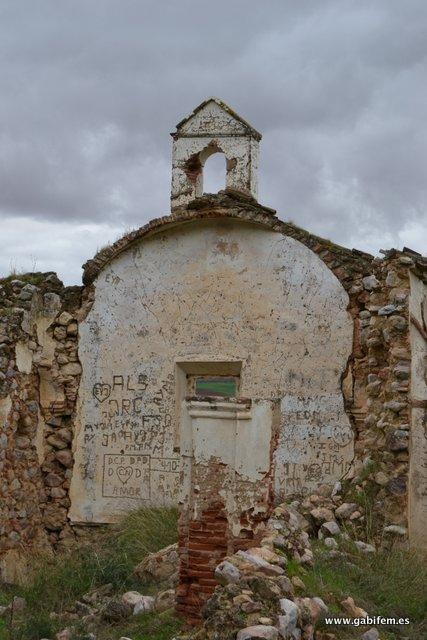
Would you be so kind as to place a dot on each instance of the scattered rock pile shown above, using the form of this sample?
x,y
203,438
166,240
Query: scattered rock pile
x,y
160,567
97,608
257,599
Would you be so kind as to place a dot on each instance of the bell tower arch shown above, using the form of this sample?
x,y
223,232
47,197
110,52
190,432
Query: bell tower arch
x,y
213,127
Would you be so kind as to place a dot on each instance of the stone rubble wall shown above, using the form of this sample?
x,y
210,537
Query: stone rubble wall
x,y
39,379
40,373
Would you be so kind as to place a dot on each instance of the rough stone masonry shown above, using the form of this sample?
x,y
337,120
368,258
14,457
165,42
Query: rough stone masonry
x,y
101,408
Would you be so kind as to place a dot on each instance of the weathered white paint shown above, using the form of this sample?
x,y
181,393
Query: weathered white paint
x,y
5,407
40,315
316,442
43,320
24,357
227,451
213,128
417,502
39,437
14,567
209,291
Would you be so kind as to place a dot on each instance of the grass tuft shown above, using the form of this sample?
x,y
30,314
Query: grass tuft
x,y
389,583
58,582
147,530
152,626
35,278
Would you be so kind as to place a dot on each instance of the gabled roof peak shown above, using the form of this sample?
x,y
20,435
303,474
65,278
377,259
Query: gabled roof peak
x,y
224,106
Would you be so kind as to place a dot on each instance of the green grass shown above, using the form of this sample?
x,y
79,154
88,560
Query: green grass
x,y
152,626
372,526
147,530
7,312
390,583
29,278
57,583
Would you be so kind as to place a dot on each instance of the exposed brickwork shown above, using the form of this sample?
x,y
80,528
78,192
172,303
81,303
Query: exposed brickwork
x,y
202,545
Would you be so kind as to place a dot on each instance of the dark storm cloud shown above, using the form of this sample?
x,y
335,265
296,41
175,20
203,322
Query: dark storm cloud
x,y
90,91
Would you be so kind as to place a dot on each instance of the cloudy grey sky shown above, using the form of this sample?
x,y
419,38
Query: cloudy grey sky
x,y
89,91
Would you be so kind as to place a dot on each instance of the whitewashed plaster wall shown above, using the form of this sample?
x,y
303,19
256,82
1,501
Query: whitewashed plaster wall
x,y
226,450
417,504
207,291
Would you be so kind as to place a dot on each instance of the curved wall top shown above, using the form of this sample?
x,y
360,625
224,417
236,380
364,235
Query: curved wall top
x,y
228,289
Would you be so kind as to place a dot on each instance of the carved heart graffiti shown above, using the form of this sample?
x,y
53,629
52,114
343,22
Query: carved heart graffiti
x,y
101,391
342,436
124,474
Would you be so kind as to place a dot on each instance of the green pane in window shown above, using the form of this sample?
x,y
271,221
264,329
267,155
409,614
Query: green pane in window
x,y
216,386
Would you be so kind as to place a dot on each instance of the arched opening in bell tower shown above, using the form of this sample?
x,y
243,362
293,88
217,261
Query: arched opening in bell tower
x,y
214,173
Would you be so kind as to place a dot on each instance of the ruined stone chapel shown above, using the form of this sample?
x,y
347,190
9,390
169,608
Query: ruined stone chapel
x,y
218,359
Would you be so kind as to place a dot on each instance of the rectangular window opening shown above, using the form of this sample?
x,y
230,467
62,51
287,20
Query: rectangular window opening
x,y
214,386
